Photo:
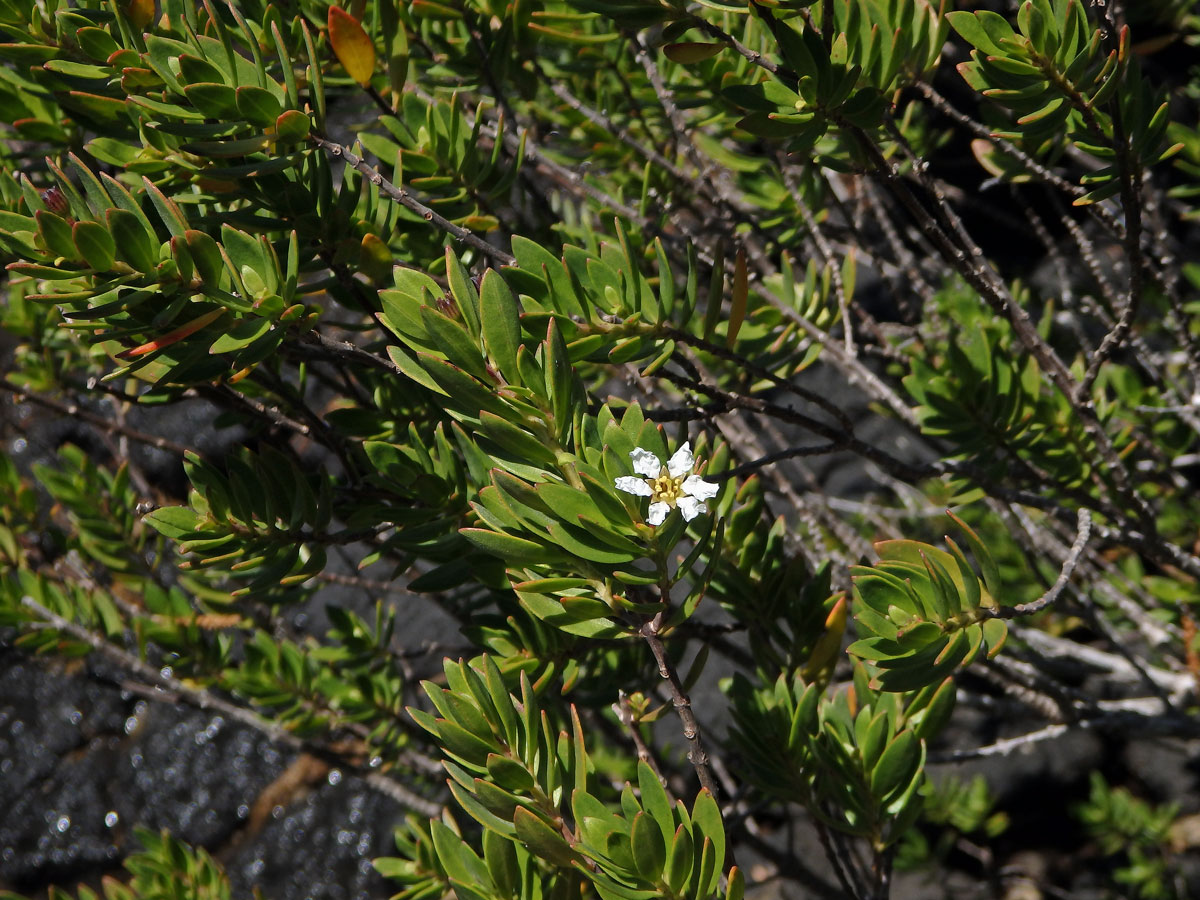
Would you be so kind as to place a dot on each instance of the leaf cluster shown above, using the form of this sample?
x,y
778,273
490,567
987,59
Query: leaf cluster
x,y
528,787
449,268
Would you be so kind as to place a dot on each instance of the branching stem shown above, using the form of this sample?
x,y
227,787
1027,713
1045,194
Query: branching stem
x,y
73,410
1064,576
411,203
682,703
1131,202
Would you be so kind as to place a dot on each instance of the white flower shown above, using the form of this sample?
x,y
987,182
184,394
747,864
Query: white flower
x,y
669,486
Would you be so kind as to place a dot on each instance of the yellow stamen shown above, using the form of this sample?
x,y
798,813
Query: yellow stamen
x,y
666,489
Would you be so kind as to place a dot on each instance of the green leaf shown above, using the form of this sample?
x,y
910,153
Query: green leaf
x,y
649,849
898,764
568,503
936,712
496,800
716,291
83,71
102,109
168,211
995,633
232,147
206,255
982,30
679,860
292,126
56,234
172,112
133,243
96,43
174,522
244,251
550,585
466,298
466,395
737,308
513,550
656,802
987,565
459,860
94,244
706,819
508,773
500,318
480,813
241,334
555,612
258,105
559,375
500,855
452,339
539,261
542,841
463,745
502,701
194,69
590,546
216,101
736,888
523,445
691,52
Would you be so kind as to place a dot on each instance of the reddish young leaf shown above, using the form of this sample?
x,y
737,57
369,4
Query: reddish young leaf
x,y
173,337
140,12
353,47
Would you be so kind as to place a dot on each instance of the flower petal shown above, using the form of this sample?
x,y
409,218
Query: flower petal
x,y
645,463
695,486
657,514
691,507
631,485
682,462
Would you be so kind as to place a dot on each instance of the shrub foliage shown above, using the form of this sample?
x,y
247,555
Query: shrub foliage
x,y
633,334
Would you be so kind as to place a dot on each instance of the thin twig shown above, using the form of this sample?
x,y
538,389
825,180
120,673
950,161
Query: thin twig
x,y
751,368
1133,724
224,394
202,699
624,713
848,442
1004,747
1010,149
107,423
968,259
405,199
682,703
1032,687
827,256
1131,202
842,868
790,453
754,56
1117,642
1084,526
600,120
346,352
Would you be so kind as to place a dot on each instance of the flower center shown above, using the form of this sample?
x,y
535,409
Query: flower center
x,y
666,489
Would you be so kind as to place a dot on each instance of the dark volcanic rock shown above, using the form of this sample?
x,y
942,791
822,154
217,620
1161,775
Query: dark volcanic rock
x,y
321,847
83,761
